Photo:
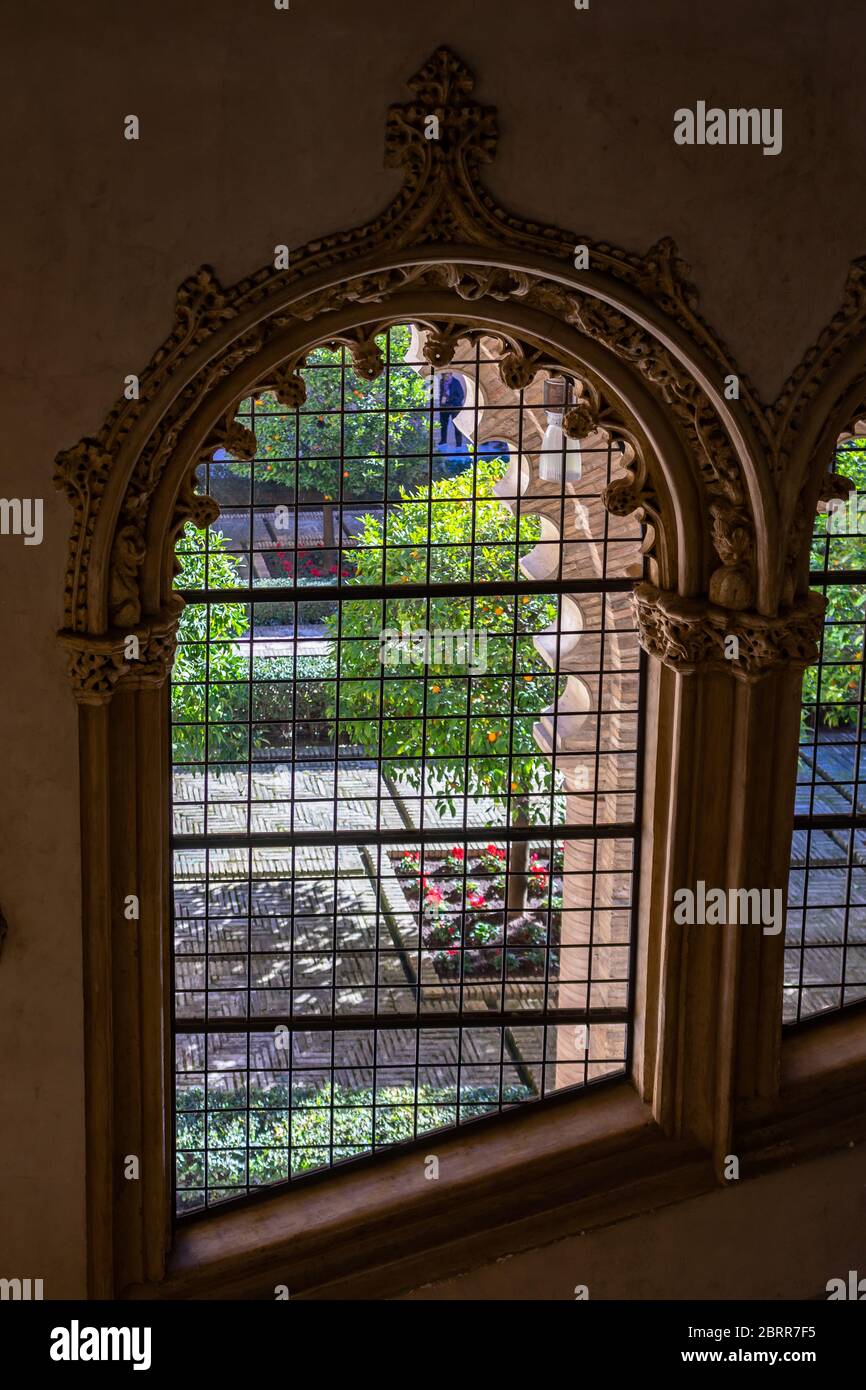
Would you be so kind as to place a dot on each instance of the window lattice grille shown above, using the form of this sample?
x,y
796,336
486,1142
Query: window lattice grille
x,y
825,942
403,879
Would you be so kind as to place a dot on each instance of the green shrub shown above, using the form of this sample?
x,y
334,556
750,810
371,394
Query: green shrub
x,y
309,1127
273,694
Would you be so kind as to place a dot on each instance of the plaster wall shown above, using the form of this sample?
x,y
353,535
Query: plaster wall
x,y
782,1236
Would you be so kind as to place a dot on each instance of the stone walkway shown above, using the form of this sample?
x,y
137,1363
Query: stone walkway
x,y
286,797
832,766
320,939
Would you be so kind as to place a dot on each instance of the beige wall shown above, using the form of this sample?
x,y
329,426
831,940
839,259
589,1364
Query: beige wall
x,y
781,1236
261,127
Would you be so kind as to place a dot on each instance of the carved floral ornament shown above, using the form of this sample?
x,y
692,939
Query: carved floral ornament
x,y
730,522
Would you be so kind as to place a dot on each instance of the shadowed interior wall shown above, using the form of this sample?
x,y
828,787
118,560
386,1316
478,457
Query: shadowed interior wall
x,y
783,1236
261,127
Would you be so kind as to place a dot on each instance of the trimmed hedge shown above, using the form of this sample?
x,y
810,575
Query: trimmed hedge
x,y
323,1125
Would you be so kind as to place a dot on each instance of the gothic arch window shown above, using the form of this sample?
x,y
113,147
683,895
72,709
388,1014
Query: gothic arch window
x,y
263,927
825,965
406,767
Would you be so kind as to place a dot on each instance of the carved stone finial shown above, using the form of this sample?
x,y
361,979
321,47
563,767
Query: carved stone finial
x,y
628,494
467,132
233,437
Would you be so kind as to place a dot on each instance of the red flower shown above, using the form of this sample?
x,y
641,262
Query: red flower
x,y
457,853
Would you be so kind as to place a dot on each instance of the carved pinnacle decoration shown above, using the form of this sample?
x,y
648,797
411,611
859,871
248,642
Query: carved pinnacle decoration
x,y
691,634
464,130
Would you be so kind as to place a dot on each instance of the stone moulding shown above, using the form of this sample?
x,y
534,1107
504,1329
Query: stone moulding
x,y
691,634
98,665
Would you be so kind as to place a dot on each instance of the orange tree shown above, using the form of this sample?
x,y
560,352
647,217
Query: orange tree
x,y
335,445
457,725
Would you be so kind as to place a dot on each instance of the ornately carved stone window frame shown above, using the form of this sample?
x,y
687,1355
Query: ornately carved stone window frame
x,y
728,488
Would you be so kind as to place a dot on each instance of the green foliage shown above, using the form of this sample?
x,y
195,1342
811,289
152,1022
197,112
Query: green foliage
x,y
275,615
311,1121
218,679
204,670
846,610
344,455
443,716
313,678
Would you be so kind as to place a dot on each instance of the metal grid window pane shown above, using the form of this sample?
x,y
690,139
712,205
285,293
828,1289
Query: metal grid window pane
x,y
406,759
825,941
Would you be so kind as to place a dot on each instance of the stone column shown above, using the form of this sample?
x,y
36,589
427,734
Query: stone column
x,y
718,808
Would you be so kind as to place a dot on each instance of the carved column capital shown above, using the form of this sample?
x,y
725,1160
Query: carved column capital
x,y
693,634
101,663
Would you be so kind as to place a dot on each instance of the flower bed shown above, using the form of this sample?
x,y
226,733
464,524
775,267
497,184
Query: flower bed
x,y
466,929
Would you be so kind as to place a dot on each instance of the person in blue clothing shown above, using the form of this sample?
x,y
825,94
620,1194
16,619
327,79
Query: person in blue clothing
x,y
451,398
